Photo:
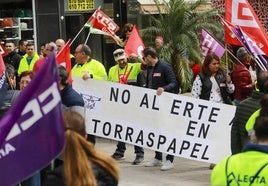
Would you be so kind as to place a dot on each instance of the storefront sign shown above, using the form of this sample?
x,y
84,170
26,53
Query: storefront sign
x,y
80,5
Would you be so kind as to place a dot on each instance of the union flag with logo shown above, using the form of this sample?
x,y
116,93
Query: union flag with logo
x,y
240,13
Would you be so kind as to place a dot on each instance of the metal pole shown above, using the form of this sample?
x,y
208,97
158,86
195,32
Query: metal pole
x,y
76,35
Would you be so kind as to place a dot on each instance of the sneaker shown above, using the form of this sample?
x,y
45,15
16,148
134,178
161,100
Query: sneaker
x,y
118,155
139,158
154,162
167,165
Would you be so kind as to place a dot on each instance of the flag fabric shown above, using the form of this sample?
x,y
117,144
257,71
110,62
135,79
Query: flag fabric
x,y
32,131
134,43
240,13
63,58
103,24
252,47
230,37
210,44
3,51
3,85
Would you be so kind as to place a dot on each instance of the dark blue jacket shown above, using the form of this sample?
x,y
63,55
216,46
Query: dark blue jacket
x,y
70,97
163,76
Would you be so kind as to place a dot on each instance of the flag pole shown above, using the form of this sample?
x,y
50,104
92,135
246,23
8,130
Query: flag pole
x,y
76,35
87,36
226,59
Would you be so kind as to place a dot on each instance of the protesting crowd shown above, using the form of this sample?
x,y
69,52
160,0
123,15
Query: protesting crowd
x,y
245,87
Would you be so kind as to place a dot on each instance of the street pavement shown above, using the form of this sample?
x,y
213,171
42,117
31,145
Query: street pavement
x,y
186,172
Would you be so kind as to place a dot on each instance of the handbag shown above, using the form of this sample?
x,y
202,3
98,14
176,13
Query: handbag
x,y
6,22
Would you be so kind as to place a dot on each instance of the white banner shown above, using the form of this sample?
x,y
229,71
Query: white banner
x,y
174,124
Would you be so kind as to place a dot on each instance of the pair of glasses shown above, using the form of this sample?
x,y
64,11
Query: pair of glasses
x,y
118,54
128,30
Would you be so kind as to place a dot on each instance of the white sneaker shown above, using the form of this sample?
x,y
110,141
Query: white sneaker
x,y
167,165
153,162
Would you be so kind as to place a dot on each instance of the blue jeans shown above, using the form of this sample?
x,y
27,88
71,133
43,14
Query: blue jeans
x,y
159,156
35,180
121,147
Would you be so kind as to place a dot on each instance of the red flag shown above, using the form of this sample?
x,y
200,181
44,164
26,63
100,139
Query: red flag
x,y
63,58
240,13
134,43
2,66
99,20
230,37
3,51
3,85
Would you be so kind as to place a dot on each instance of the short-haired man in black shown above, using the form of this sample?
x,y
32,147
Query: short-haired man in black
x,y
161,77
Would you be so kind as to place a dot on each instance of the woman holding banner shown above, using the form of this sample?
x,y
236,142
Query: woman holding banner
x,y
212,83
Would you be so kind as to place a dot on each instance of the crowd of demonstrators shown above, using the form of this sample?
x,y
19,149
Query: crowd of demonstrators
x,y
241,76
210,83
161,77
239,135
82,164
250,166
125,73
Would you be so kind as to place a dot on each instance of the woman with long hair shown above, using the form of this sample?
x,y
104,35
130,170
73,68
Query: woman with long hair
x,y
83,165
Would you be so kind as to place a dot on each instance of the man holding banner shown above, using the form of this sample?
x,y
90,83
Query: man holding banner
x,y
160,76
125,73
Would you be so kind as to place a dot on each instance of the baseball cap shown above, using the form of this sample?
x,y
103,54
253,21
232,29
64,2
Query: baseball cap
x,y
119,54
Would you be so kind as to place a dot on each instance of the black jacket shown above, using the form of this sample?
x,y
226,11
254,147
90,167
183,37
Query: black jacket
x,y
13,59
70,97
244,110
163,76
207,85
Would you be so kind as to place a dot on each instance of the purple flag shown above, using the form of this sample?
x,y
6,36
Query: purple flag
x,y
210,44
251,46
32,131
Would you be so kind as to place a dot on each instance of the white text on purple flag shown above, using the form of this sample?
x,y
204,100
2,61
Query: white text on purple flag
x,y
36,110
210,44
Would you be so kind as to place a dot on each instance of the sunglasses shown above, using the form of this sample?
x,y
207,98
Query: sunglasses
x,y
118,54
128,30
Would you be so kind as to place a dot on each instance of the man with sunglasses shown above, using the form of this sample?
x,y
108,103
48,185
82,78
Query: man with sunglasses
x,y
126,73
